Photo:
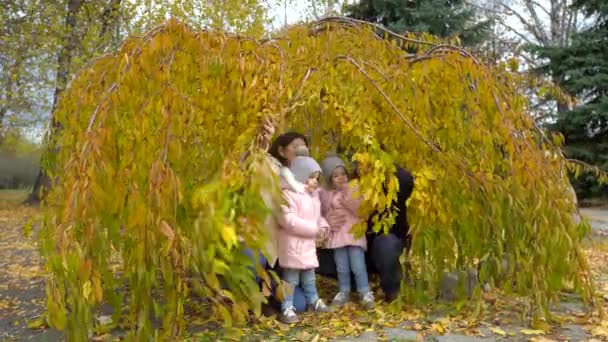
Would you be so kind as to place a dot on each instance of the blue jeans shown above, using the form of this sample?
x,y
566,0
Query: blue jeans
x,y
351,258
260,258
299,302
306,279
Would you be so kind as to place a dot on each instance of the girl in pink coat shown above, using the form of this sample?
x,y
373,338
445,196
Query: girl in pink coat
x,y
349,252
300,226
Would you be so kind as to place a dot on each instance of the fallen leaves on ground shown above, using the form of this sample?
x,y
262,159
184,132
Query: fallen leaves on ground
x,y
498,331
22,303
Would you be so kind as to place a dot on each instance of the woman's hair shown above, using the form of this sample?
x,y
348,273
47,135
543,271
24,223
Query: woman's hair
x,y
282,141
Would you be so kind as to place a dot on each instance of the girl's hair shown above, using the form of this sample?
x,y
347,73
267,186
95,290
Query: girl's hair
x,y
282,141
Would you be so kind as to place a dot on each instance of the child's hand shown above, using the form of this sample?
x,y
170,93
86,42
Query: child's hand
x,y
324,228
336,220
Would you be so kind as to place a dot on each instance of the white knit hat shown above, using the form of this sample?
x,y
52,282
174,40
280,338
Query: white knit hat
x,y
303,167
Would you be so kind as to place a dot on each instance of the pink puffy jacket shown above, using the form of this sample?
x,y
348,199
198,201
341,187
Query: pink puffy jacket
x,y
344,201
301,224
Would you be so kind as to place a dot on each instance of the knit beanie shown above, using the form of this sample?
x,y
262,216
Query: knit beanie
x,y
303,167
330,164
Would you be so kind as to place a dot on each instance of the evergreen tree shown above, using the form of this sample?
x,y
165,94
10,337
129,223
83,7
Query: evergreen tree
x,y
583,67
443,18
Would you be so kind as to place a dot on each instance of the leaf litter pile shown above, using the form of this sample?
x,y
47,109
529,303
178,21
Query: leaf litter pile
x,y
22,304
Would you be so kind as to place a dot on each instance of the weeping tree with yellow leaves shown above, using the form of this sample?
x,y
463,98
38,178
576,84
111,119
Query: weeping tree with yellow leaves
x,y
152,199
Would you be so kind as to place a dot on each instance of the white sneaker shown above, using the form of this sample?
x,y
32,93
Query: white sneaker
x,y
368,300
319,306
340,299
289,316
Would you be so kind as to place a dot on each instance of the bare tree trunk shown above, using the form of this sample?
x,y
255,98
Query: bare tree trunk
x,y
109,19
64,59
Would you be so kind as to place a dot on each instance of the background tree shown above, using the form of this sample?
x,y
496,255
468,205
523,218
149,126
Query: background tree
x,y
520,28
582,68
89,28
443,18
26,29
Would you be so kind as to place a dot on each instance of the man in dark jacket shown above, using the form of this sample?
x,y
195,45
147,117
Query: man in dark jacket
x,y
383,249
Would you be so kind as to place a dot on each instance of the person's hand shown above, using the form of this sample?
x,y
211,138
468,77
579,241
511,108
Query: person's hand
x,y
323,230
336,220
341,185
268,129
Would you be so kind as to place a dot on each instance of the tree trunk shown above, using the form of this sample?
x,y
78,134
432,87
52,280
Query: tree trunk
x,y
64,59
109,19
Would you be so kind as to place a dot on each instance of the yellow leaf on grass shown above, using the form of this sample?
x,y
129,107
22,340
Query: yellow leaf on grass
x,y
541,339
315,338
498,331
37,323
599,331
438,328
233,334
531,332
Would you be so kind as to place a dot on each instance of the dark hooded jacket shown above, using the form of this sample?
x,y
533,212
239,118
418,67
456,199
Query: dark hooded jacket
x,y
401,227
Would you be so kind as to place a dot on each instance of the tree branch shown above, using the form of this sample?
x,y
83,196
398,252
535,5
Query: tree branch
x,y
513,30
537,4
538,24
525,23
390,102
352,21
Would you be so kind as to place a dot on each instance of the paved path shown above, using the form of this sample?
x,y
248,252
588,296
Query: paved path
x,y
598,218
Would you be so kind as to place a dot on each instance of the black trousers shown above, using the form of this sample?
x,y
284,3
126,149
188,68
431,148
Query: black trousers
x,y
382,257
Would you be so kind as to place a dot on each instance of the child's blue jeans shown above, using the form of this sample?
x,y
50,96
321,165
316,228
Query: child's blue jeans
x,y
351,258
299,302
306,279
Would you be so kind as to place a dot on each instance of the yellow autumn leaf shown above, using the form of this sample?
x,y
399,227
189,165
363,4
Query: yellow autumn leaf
x,y
229,235
498,331
97,288
86,289
531,332
600,331
438,328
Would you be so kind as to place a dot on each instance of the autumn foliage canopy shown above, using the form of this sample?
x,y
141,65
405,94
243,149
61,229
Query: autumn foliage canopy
x,y
152,199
